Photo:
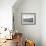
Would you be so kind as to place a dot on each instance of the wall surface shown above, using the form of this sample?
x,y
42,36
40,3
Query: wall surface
x,y
32,32
6,13
43,22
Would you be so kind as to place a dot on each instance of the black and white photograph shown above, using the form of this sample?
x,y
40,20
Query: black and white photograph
x,y
28,18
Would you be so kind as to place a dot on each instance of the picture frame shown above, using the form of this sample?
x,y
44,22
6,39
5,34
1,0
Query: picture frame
x,y
28,18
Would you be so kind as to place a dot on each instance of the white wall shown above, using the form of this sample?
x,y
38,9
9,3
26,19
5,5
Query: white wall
x,y
6,13
30,31
28,6
43,22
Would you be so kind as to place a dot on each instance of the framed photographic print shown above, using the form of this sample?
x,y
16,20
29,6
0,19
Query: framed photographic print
x,y
28,18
